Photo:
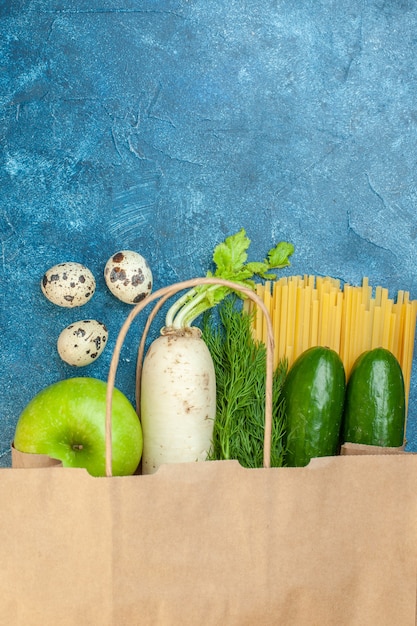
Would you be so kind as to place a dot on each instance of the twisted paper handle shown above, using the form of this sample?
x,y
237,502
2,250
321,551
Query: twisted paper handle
x,y
163,295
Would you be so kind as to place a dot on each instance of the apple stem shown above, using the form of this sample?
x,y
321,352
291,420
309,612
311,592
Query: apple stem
x,y
77,446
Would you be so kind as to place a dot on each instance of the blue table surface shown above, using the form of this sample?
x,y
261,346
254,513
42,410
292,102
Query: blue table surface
x,y
163,126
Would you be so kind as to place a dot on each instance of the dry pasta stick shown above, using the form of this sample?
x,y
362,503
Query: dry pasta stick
x,y
401,328
397,308
299,319
408,344
332,317
378,294
366,291
346,324
376,327
386,323
276,320
258,315
290,330
391,336
318,284
282,330
338,321
248,308
324,319
268,304
406,332
385,312
356,323
366,331
308,295
289,354
384,297
314,321
411,340
407,313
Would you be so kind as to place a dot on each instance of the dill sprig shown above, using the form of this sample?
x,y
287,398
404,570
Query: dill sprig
x,y
239,363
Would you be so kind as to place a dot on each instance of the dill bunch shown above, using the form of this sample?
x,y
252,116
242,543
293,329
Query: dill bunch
x,y
239,363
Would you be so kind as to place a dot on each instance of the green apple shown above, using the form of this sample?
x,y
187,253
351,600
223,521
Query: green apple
x,y
66,421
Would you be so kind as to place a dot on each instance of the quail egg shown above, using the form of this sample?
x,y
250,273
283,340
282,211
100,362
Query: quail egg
x,y
68,284
82,342
128,276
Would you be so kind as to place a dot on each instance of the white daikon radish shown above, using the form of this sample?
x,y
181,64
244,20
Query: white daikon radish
x,y
178,400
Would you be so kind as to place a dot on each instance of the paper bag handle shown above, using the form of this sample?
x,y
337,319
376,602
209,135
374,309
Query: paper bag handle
x,y
164,294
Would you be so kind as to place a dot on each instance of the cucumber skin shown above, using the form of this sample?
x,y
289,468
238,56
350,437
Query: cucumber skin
x,y
375,400
314,392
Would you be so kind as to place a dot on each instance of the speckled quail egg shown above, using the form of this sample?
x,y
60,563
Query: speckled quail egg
x,y
128,276
68,284
82,342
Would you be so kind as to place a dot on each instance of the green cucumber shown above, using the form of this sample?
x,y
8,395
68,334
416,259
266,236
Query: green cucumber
x,y
314,392
375,400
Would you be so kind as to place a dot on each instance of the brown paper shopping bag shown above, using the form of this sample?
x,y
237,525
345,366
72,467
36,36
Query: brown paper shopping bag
x,y
330,544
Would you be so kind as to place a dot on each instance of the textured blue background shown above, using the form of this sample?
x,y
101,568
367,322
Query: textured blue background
x,y
165,125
